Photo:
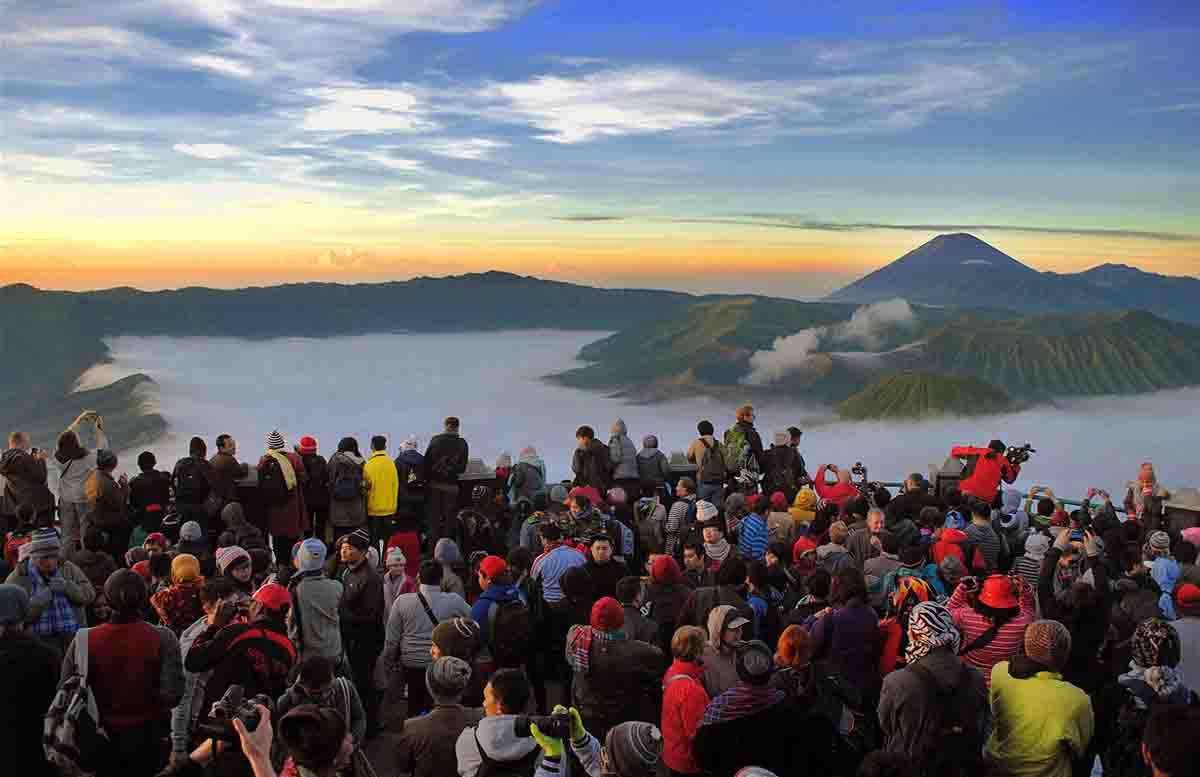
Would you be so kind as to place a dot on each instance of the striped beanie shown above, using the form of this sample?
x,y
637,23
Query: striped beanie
x,y
275,441
44,544
227,558
635,748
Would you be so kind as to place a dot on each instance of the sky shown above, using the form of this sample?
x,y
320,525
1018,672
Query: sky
x,y
771,147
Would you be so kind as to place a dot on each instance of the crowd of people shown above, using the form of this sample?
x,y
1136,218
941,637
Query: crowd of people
x,y
747,619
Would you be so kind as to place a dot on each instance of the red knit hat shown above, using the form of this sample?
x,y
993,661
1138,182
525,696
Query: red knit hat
x,y
802,546
779,501
665,571
998,593
1188,597
753,501
307,445
608,615
491,566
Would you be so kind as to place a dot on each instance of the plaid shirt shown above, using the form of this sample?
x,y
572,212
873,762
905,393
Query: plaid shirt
x,y
59,616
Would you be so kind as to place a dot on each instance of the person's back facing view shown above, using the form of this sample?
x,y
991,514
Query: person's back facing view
x,y
136,674
30,668
445,460
493,747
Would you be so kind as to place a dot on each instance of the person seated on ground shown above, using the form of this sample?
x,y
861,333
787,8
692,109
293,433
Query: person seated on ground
x,y
317,685
58,591
494,743
1043,724
427,745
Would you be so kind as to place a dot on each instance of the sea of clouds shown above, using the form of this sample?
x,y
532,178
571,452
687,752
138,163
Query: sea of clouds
x,y
399,385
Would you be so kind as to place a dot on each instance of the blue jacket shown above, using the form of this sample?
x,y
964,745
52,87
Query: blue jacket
x,y
753,537
495,594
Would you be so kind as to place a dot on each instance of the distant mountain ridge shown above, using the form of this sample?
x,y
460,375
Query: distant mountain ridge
x,y
963,271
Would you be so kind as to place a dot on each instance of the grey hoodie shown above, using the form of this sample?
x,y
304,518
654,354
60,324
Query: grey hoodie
x,y
653,465
622,453
447,554
498,740
185,714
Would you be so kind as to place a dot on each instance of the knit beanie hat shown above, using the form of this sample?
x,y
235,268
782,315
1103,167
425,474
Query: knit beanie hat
x,y
228,558
446,551
1048,643
457,637
14,605
607,615
1036,546
313,735
359,539
395,556
447,677
664,570
634,748
44,544
410,443
779,501
274,597
705,511
275,441
185,568
1188,598
156,538
190,531
1159,543
311,555
754,662
307,445
126,591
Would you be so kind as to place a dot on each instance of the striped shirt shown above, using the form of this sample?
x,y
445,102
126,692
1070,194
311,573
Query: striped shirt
x,y
1008,639
753,537
985,539
551,566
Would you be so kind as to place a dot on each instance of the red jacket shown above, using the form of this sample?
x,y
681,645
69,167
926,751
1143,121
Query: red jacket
x,y
984,480
950,544
838,493
684,701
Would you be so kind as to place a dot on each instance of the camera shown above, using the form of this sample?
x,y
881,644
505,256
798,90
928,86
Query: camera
x,y
859,471
1019,455
556,726
234,706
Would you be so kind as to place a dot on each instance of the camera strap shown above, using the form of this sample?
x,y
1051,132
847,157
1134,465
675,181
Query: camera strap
x,y
428,609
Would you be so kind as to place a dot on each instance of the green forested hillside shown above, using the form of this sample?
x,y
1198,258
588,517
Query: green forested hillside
x,y
921,395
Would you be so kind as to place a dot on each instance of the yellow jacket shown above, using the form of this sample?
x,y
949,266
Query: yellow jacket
x,y
804,508
383,485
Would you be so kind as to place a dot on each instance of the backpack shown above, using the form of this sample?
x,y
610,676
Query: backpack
x,y
510,627
191,486
714,469
271,484
444,470
649,516
623,535
522,767
536,600
736,450
689,531
347,486
953,746
73,737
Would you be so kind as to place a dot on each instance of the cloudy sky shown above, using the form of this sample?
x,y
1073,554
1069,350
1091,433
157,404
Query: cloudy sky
x,y
784,147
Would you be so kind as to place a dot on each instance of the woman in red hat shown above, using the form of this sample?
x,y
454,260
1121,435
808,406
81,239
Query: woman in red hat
x,y
992,617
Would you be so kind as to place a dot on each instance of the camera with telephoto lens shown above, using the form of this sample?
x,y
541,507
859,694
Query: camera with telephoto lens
x,y
234,706
556,726
1019,455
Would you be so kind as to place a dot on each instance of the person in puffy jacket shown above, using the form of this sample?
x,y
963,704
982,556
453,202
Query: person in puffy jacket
x,y
622,455
591,461
527,480
654,469
684,700
836,493
986,467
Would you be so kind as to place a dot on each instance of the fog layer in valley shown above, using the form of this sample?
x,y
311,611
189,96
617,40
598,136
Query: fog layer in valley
x,y
405,384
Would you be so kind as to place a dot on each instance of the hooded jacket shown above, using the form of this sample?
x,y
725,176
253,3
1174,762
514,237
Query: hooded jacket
x,y
804,507
684,700
527,480
837,493
383,485
346,513
499,741
990,468
720,672
494,595
622,453
24,482
653,465
910,706
318,632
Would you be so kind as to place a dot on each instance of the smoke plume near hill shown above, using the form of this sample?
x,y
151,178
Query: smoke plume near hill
x,y
865,329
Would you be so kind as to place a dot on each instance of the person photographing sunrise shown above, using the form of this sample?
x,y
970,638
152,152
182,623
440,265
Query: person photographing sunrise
x,y
985,468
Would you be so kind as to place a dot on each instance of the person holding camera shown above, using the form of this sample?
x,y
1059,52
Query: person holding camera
x,y
834,493
991,616
985,468
630,749
495,744
75,463
23,469
317,738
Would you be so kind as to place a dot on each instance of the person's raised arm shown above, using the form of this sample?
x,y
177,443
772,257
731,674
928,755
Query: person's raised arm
x,y
256,744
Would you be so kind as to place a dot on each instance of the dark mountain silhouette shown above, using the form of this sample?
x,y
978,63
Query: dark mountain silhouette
x,y
960,270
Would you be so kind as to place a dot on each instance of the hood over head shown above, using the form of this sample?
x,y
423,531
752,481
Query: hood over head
x,y
446,552
499,740
619,429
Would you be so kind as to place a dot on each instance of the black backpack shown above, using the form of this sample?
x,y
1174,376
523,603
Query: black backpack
x,y
510,627
690,532
714,469
347,486
191,484
272,486
523,767
953,746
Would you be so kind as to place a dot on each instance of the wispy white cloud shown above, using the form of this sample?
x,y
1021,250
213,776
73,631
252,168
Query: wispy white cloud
x,y
52,166
362,110
208,150
466,148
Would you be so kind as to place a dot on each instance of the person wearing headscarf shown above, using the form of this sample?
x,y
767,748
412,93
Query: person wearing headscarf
x,y
664,596
913,698
136,675
1043,724
527,480
30,671
1144,497
179,606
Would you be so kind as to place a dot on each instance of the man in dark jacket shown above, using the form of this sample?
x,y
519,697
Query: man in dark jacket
x,y
427,744
728,590
445,459
603,568
361,615
591,462
192,482
909,503
637,625
24,472
784,469
108,501
226,469
149,494
316,490
30,668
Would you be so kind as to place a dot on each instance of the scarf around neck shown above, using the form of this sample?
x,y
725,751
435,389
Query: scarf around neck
x,y
718,551
285,464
